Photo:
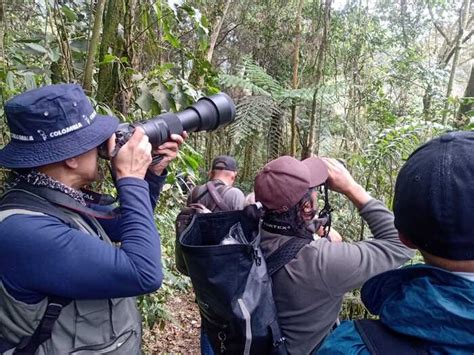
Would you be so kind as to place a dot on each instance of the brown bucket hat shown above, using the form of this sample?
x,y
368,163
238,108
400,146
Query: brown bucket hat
x,y
282,183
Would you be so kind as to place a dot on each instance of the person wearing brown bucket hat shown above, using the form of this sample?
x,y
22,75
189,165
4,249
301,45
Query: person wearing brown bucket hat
x,y
308,290
65,287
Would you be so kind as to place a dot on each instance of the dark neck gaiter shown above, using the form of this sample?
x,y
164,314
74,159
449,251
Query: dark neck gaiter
x,y
287,223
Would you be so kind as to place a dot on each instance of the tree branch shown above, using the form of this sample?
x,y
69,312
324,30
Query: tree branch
x,y
438,27
227,33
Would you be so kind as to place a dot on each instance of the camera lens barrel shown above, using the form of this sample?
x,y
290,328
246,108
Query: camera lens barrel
x,y
160,128
207,114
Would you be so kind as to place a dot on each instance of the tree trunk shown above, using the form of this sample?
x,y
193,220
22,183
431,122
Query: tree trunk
x,y
194,77
427,99
216,30
249,152
296,60
463,17
124,92
467,103
65,67
275,135
108,77
93,44
2,35
313,138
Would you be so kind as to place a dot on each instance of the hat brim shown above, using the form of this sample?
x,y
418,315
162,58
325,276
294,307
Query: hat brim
x,y
18,154
318,171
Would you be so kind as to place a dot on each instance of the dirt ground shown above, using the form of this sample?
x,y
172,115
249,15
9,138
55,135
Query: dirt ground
x,y
181,333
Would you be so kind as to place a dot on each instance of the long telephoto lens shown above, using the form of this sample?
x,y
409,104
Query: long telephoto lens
x,y
207,114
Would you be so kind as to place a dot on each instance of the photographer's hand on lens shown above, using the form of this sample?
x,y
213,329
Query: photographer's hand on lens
x,y
168,151
134,158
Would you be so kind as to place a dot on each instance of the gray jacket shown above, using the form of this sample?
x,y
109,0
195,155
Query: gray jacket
x,y
309,290
85,327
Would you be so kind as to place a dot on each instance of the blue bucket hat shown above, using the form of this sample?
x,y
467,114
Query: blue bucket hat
x,y
51,124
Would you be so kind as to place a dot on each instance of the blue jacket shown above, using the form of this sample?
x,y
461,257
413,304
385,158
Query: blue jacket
x,y
422,301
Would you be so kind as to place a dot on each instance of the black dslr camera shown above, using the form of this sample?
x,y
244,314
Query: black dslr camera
x,y
207,114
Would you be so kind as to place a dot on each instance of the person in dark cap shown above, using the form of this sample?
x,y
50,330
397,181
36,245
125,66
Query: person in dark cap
x,y
425,308
218,194
309,289
65,287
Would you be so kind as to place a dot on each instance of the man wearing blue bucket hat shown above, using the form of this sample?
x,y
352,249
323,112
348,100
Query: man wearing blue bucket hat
x,y
65,287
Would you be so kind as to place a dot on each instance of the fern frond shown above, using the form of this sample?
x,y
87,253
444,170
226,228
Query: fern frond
x,y
254,114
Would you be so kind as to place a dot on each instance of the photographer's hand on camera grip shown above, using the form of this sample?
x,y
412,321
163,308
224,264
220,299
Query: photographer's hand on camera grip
x,y
133,158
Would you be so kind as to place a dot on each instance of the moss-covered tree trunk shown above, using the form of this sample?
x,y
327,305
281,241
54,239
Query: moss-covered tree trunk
x,y
108,77
93,44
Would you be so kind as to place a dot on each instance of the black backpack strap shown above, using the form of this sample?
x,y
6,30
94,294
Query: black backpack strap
x,y
380,339
29,345
284,254
217,196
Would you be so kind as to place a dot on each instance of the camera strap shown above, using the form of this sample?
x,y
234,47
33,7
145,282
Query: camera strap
x,y
325,213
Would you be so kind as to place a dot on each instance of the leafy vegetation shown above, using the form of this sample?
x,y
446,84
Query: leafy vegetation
x,y
366,82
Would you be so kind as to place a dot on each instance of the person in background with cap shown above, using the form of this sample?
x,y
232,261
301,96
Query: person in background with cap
x,y
57,250
309,290
222,176
427,308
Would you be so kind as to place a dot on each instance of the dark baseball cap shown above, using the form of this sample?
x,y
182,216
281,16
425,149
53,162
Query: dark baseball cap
x,y
283,182
224,162
434,197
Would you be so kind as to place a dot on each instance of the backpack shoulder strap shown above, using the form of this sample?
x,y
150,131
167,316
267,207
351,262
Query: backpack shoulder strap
x,y
195,197
217,196
17,199
284,254
29,345
380,339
